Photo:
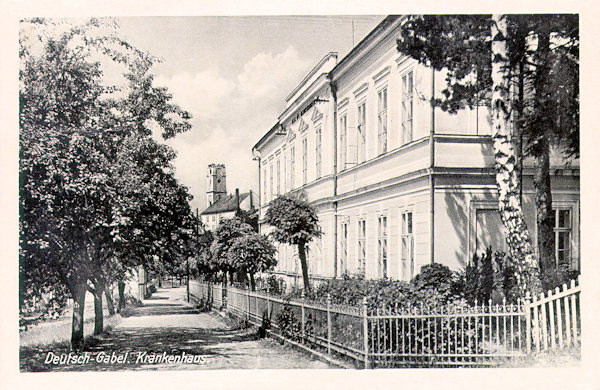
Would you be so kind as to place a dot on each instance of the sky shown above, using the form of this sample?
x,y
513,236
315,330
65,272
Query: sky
x,y
232,73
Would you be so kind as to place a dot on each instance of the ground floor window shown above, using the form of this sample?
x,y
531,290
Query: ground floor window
x,y
562,235
382,246
362,246
343,248
408,245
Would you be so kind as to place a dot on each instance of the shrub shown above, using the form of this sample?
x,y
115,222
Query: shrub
x,y
437,277
557,276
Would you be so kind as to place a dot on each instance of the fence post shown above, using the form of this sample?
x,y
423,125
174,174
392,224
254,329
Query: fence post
x,y
527,310
365,331
302,315
328,324
248,303
267,304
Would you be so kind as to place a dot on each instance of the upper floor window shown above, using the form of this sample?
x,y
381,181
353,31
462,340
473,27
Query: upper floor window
x,y
343,137
362,132
318,159
304,161
382,246
292,167
278,177
407,107
271,189
265,188
382,121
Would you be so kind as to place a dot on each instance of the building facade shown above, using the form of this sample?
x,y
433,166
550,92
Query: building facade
x,y
397,183
220,205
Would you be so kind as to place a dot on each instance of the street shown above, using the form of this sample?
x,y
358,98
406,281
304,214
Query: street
x,y
167,326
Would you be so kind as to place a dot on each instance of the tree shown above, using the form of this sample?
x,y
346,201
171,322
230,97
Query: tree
x,y
296,223
77,200
505,71
224,236
252,253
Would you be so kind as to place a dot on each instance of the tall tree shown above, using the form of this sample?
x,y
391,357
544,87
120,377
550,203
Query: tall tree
x,y
295,222
76,133
538,104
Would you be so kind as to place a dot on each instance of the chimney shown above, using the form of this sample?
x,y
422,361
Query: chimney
x,y
237,198
251,201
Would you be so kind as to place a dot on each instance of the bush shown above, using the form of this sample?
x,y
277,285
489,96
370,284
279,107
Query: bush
x,y
557,276
437,277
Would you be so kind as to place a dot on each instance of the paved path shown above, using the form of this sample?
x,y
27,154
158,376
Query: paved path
x,y
166,326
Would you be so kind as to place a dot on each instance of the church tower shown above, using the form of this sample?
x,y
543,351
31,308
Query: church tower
x,y
215,183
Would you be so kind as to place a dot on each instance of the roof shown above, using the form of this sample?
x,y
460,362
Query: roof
x,y
224,204
276,127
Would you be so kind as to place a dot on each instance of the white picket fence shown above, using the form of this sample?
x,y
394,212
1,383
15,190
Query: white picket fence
x,y
554,318
454,335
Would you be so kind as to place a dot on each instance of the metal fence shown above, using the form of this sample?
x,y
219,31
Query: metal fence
x,y
453,335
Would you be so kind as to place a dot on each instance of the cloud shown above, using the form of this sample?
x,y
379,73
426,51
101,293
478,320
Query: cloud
x,y
230,114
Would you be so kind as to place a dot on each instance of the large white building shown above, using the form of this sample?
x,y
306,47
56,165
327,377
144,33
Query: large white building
x,y
396,182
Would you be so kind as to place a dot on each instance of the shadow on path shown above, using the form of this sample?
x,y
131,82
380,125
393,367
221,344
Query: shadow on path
x,y
169,326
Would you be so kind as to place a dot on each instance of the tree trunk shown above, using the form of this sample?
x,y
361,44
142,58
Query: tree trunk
x,y
78,294
121,286
252,282
109,301
98,314
509,205
544,214
541,178
304,265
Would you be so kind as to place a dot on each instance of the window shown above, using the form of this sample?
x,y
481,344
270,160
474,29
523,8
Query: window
x,y
292,167
283,174
362,132
562,235
344,248
407,107
318,161
362,246
265,188
408,244
304,161
382,121
382,246
343,135
271,181
278,177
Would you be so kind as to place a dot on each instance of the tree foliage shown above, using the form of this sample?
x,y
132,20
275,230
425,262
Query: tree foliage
x,y
538,75
295,222
252,253
97,194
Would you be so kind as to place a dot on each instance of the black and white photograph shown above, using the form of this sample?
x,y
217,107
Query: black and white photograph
x,y
306,194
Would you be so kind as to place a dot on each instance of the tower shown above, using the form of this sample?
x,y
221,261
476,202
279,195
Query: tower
x,y
215,183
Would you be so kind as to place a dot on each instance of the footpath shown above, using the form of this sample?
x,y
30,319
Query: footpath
x,y
167,333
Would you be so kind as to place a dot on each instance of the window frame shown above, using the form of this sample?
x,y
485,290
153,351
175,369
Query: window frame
x,y
361,239
382,120
361,131
304,161
318,152
382,245
407,101
407,259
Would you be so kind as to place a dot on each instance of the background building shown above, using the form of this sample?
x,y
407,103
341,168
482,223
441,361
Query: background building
x,y
220,205
396,182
